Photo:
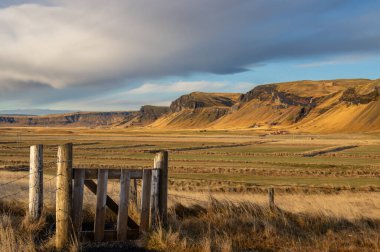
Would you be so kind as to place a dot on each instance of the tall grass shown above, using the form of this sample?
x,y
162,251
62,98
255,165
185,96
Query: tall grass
x,y
225,226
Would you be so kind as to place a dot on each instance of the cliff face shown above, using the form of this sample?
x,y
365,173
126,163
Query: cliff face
x,y
197,110
310,106
202,100
151,113
351,96
270,93
79,119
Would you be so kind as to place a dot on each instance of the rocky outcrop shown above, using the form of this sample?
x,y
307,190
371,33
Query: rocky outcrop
x,y
270,93
351,96
202,100
151,113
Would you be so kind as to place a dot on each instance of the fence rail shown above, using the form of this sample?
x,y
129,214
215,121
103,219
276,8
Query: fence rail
x,y
69,194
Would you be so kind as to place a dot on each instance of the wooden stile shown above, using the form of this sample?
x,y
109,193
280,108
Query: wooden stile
x,y
122,217
101,197
111,204
78,200
64,196
145,201
36,182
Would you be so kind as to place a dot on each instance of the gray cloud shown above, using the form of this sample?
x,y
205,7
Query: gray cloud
x,y
80,48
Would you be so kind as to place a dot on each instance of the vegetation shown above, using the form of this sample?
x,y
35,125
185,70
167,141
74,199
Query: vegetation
x,y
218,183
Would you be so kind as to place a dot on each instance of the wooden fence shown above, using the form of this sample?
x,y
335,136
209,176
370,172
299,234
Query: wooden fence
x,y
70,191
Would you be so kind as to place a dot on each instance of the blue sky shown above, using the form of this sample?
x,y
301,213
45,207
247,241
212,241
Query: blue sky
x,y
121,54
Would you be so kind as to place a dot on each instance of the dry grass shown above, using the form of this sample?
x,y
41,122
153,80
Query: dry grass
x,y
19,233
245,226
327,202
232,222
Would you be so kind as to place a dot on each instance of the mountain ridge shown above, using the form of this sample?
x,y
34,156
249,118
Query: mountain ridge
x,y
324,106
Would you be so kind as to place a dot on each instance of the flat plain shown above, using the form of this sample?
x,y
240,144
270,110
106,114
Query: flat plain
x,y
331,175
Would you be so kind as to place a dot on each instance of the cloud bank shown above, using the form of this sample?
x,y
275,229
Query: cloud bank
x,y
85,46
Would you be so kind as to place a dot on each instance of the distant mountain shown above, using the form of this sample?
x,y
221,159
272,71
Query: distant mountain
x,y
345,105
146,115
328,106
24,112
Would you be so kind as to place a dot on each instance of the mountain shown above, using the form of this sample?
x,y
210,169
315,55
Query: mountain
x,y
26,112
197,110
146,115
347,105
328,106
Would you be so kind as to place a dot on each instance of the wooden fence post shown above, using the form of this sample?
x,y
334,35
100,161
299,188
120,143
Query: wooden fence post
x,y
64,195
155,198
101,202
134,194
78,191
145,200
271,198
36,182
161,162
122,217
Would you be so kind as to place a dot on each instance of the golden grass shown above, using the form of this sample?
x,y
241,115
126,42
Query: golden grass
x,y
230,222
245,226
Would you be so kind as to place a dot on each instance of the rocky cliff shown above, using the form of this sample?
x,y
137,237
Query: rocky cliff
x,y
309,106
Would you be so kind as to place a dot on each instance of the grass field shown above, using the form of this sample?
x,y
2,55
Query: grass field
x,y
228,166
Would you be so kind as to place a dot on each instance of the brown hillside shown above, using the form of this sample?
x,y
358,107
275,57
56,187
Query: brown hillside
x,y
197,110
326,106
312,106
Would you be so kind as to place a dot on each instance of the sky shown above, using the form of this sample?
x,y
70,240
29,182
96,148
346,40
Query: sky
x,y
98,55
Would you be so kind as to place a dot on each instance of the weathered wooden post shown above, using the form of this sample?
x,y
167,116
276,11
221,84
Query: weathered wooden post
x,y
272,206
122,217
64,195
134,193
161,162
36,182
145,200
155,198
101,202
78,191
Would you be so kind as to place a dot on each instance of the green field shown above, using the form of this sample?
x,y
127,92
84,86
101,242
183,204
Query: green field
x,y
233,159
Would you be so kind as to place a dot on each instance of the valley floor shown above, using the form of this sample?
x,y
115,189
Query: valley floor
x,y
327,187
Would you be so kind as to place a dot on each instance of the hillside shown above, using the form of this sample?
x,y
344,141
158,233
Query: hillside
x,y
146,115
345,105
197,110
311,106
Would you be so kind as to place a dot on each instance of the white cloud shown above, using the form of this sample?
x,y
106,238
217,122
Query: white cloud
x,y
70,42
343,59
82,50
178,87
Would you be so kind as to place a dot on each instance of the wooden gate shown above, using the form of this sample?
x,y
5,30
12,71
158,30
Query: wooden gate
x,y
70,191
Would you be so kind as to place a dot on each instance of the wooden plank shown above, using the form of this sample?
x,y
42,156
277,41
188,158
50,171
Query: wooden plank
x,y
134,193
161,162
36,182
109,235
112,173
155,198
63,196
145,205
122,218
78,200
91,185
101,197
111,204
